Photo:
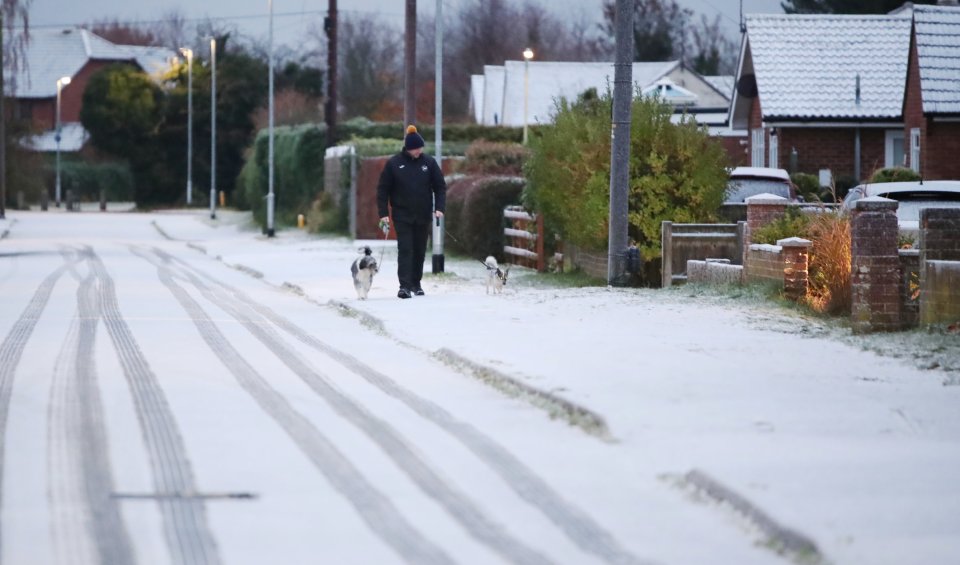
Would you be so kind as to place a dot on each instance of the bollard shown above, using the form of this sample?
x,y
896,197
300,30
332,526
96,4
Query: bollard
x,y
69,200
300,221
103,200
20,205
44,200
223,199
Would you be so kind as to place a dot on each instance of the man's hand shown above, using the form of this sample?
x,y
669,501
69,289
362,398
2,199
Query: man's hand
x,y
438,214
384,225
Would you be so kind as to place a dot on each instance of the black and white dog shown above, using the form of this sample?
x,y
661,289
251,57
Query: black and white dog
x,y
496,277
363,269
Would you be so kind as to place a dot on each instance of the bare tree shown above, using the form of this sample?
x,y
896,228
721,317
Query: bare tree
x,y
122,33
370,77
713,53
171,30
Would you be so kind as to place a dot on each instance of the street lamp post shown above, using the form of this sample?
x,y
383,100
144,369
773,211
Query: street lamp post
x,y
188,53
213,128
270,194
61,82
527,55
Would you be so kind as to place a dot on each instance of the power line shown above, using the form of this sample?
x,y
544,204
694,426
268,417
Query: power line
x,y
137,23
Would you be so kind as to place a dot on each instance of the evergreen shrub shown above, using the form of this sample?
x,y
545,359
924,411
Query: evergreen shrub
x,y
677,173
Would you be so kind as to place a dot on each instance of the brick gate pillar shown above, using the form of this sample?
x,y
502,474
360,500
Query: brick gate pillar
x,y
875,266
939,244
796,260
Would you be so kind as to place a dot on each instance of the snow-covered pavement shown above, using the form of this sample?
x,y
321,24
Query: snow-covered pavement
x,y
261,413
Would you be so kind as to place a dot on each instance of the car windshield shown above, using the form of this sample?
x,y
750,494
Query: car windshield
x,y
909,209
739,190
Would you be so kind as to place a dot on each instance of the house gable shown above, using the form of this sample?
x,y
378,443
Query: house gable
x,y
937,39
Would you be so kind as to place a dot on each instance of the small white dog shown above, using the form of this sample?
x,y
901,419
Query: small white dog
x,y
496,277
363,269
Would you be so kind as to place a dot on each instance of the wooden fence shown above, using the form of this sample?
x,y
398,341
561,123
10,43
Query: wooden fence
x,y
682,242
523,235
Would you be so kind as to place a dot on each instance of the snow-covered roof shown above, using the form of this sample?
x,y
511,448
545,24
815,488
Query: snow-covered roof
x,y
549,81
723,83
806,66
670,92
72,138
55,53
938,49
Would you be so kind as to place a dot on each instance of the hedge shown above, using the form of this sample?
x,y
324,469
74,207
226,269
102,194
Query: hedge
x,y
88,179
474,215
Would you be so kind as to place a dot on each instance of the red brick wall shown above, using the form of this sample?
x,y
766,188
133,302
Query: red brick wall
x,y
71,98
832,148
913,105
941,154
763,264
738,150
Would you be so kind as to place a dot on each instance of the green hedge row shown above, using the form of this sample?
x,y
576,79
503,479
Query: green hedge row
x,y
88,179
474,216
298,173
361,127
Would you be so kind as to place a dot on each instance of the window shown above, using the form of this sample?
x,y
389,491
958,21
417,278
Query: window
x,y
915,149
894,150
774,149
757,147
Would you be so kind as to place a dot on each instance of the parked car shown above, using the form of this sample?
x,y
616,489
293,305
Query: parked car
x,y
750,181
913,196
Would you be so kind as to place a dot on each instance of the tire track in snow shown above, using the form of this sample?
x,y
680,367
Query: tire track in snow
x,y
10,352
372,505
185,524
576,524
80,477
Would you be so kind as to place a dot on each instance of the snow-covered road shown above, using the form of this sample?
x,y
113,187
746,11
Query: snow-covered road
x,y
176,390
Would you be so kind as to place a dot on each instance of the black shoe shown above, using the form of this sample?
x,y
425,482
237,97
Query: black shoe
x,y
418,291
403,293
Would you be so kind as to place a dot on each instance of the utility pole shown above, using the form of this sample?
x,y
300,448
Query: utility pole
x,y
270,194
438,224
620,146
410,65
213,129
3,133
330,110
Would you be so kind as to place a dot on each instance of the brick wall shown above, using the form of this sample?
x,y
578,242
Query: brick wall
x,y
737,149
939,265
796,260
764,263
875,266
913,104
940,154
71,99
833,148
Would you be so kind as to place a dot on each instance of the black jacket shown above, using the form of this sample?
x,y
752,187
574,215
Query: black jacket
x,y
410,186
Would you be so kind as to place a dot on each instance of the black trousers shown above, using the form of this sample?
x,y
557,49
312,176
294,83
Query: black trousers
x,y
411,252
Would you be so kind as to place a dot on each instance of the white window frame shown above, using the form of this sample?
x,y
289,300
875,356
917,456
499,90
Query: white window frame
x,y
757,142
890,160
774,158
915,149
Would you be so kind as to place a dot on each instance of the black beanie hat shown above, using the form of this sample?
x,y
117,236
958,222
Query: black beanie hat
x,y
412,140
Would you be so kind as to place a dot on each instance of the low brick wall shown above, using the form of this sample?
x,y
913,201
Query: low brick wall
x,y
714,272
764,264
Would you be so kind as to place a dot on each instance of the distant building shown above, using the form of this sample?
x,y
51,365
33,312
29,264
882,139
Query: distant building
x,y
77,53
497,96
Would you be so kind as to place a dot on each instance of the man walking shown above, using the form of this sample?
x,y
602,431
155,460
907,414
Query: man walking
x,y
412,183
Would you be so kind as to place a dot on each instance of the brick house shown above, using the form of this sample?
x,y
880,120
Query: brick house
x,y
823,92
931,106
52,54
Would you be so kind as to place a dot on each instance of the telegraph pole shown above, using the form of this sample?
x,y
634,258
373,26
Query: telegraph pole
x,y
438,224
620,147
330,111
410,65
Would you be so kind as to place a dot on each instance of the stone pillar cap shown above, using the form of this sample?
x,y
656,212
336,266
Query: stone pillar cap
x,y
794,242
766,198
876,203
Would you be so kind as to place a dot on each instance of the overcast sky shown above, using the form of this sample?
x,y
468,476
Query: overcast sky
x,y
292,17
